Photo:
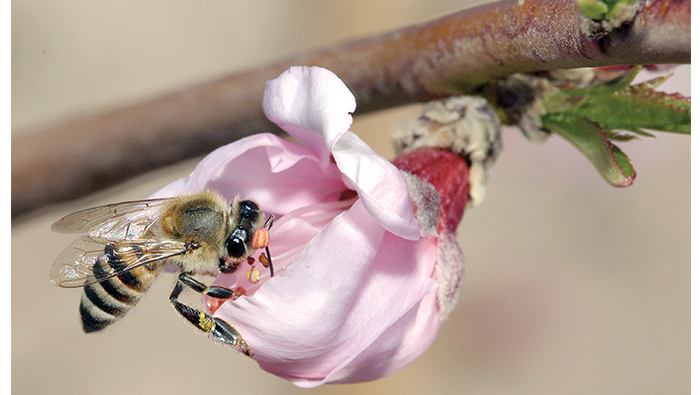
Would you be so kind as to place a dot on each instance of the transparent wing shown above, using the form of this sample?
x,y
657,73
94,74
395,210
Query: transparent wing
x,y
111,218
93,259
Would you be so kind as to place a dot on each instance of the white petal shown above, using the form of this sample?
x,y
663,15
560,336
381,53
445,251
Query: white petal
x,y
380,185
311,104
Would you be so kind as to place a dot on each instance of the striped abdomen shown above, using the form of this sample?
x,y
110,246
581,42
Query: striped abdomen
x,y
107,301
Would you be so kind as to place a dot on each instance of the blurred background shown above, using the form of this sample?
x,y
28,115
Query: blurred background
x,y
572,286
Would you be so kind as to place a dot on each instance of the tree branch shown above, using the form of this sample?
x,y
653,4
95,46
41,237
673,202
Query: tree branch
x,y
454,54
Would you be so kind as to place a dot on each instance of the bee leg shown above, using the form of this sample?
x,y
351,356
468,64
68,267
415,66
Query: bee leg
x,y
214,291
216,327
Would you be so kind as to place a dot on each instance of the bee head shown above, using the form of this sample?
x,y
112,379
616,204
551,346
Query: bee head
x,y
238,242
249,234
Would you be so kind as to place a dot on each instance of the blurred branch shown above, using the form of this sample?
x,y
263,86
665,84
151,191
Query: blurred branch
x,y
458,53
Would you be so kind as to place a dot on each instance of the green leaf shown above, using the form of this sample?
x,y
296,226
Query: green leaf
x,y
594,116
635,108
604,9
563,100
591,140
593,9
617,105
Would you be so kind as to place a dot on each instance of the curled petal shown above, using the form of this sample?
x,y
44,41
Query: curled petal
x,y
379,184
312,104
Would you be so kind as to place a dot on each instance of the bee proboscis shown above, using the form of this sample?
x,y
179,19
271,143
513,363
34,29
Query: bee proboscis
x,y
126,245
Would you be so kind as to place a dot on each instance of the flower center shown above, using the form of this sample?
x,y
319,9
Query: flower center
x,y
288,237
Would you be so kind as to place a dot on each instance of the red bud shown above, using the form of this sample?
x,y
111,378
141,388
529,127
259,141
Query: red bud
x,y
448,173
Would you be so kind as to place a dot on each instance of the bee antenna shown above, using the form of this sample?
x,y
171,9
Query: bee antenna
x,y
269,260
269,221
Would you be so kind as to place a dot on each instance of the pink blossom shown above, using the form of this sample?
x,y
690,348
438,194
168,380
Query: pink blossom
x,y
355,295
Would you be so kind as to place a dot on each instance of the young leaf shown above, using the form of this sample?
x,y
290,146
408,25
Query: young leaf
x,y
590,139
605,9
617,105
635,108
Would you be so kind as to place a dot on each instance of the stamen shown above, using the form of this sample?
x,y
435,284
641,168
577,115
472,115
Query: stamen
x,y
261,238
253,275
264,261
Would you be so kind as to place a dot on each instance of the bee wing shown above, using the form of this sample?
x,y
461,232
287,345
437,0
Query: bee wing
x,y
103,219
75,266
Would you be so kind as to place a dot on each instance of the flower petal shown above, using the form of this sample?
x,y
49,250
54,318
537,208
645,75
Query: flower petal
x,y
314,105
311,104
380,185
398,346
280,175
325,311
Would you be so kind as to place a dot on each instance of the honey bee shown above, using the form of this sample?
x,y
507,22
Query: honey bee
x,y
127,245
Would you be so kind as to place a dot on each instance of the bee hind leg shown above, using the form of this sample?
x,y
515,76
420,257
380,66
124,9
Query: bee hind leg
x,y
218,329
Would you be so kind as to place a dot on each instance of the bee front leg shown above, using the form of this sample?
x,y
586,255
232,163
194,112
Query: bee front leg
x,y
218,328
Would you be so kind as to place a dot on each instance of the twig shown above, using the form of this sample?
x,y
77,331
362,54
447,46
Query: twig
x,y
454,54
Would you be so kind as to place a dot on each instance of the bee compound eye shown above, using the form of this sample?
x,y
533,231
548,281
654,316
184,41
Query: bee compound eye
x,y
248,209
235,247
